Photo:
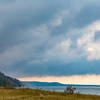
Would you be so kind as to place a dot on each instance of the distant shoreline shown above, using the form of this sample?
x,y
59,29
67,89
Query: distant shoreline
x,y
37,83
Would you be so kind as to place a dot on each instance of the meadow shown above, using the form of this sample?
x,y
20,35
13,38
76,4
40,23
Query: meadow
x,y
30,94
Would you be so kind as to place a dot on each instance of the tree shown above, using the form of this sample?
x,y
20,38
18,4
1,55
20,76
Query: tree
x,y
70,90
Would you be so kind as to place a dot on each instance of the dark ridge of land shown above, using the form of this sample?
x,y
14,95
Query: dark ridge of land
x,y
6,81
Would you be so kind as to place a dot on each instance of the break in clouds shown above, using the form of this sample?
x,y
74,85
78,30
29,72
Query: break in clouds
x,y
49,38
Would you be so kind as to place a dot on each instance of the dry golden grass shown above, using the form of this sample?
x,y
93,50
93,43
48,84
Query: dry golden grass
x,y
29,94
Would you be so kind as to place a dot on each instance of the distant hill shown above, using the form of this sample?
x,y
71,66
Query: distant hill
x,y
36,84
6,81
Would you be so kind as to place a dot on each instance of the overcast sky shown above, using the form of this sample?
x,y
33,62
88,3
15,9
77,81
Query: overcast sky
x,y
49,37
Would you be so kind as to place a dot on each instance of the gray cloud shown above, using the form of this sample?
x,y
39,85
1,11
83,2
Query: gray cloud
x,y
30,29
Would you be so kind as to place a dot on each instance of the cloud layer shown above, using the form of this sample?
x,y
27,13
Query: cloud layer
x,y
60,37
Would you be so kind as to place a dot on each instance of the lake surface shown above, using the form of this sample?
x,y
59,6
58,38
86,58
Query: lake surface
x,y
82,90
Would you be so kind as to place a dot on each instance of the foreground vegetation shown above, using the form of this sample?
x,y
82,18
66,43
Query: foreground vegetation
x,y
29,94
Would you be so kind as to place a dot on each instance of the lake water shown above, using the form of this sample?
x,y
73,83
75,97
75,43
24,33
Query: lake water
x,y
82,90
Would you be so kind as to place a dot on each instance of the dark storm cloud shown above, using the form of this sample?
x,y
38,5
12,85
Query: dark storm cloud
x,y
74,68
7,1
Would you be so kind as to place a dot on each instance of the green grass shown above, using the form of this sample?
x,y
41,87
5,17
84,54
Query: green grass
x,y
29,94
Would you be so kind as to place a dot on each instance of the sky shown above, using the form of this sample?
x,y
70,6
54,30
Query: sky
x,y
50,40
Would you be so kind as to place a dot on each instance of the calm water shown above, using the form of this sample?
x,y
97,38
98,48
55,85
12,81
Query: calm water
x,y
82,90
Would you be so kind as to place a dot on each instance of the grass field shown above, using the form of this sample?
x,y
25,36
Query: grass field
x,y
29,94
